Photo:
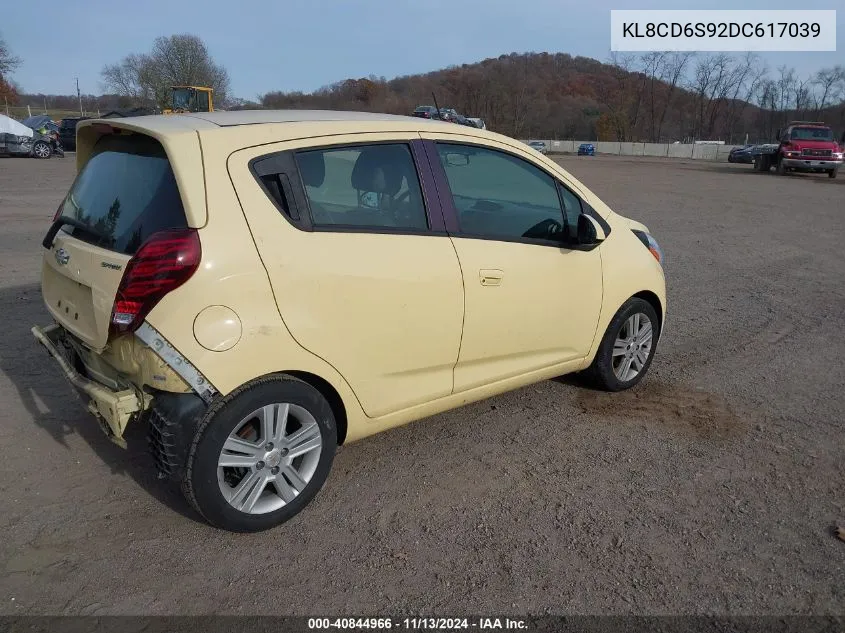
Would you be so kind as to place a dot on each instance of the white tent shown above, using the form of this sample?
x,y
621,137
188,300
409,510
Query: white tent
x,y
10,126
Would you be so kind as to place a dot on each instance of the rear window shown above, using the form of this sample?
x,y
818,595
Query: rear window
x,y
125,193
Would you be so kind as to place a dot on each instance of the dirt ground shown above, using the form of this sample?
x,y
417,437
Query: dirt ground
x,y
711,488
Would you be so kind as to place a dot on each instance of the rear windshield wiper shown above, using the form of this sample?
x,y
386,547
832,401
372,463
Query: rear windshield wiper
x,y
65,220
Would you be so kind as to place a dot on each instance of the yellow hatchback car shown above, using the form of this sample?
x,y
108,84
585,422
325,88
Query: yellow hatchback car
x,y
260,287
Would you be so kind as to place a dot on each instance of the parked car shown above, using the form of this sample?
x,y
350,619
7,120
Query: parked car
x,y
67,132
741,154
479,123
460,119
448,114
44,125
540,146
17,139
426,112
586,149
249,360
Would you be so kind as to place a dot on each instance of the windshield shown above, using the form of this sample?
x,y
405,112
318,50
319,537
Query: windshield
x,y
811,134
182,99
125,193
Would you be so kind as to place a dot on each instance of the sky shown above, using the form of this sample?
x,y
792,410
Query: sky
x,y
302,45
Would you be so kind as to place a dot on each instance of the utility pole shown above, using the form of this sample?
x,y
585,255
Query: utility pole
x,y
6,101
79,96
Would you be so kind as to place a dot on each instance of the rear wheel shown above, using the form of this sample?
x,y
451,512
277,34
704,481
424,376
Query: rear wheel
x,y
627,348
41,149
261,455
831,173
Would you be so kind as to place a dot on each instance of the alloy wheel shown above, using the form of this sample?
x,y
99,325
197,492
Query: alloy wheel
x,y
269,458
632,347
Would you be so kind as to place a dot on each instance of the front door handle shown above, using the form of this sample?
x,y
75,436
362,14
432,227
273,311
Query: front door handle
x,y
491,276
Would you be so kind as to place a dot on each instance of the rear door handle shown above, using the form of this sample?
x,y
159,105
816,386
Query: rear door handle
x,y
491,276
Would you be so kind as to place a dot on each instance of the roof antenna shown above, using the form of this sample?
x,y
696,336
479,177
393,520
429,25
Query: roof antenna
x,y
435,104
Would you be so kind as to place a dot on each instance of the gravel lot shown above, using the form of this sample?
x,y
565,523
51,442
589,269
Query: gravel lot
x,y
711,488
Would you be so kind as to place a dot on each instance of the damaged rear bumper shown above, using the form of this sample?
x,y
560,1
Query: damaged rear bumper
x,y
113,408
172,417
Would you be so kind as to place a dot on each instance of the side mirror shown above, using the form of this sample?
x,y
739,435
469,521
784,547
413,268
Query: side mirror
x,y
589,230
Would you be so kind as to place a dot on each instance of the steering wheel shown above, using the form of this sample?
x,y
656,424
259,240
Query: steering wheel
x,y
548,229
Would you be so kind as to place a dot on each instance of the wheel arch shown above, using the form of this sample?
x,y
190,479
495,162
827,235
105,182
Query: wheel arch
x,y
654,301
331,394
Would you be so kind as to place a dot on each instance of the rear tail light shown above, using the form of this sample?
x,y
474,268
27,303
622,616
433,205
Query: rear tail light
x,y
163,263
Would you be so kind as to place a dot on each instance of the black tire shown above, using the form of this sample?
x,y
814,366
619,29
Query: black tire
x,y
600,373
42,149
780,168
831,173
200,483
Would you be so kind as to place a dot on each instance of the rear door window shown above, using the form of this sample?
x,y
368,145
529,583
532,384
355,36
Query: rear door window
x,y
364,186
125,193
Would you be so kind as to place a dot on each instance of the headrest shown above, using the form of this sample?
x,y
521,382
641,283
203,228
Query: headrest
x,y
312,167
377,169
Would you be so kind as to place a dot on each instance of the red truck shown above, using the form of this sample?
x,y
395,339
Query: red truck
x,y
802,146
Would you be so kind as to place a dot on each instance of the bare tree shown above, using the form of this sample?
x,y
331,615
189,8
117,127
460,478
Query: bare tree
x,y
622,95
767,101
786,88
831,82
723,80
802,90
674,69
8,62
701,85
175,60
653,67
126,78
746,75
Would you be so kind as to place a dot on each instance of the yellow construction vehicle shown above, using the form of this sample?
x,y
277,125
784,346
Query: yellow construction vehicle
x,y
190,99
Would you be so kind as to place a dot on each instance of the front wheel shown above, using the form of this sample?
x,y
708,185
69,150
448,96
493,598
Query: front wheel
x,y
41,149
261,455
627,348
